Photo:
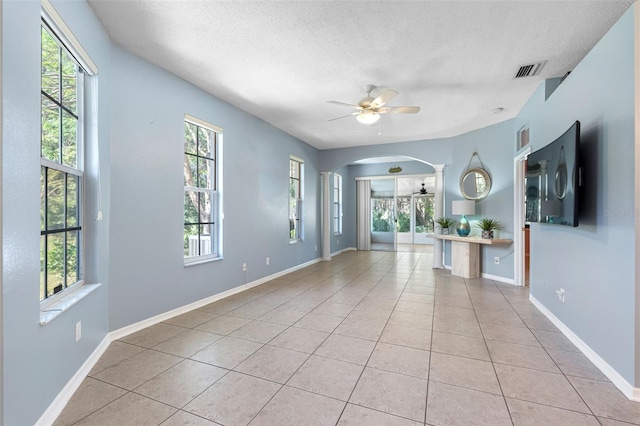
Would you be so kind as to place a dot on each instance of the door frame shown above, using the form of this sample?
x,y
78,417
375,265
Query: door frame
x,y
519,176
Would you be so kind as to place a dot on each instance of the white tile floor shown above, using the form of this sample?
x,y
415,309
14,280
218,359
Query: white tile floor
x,y
370,338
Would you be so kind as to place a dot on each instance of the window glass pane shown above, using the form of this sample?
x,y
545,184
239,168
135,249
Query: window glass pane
x,y
190,137
55,263
42,266
50,134
294,188
72,255
69,140
50,65
190,170
191,240
205,167
205,138
403,213
55,199
69,79
43,192
293,219
204,207
191,207
73,212
294,169
206,240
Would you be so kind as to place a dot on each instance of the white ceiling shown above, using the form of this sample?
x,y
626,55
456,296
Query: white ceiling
x,y
283,60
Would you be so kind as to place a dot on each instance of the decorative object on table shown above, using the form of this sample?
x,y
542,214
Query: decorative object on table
x,y
488,226
396,169
444,223
475,182
463,208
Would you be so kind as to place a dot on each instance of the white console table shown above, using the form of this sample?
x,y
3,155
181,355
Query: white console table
x,y
465,253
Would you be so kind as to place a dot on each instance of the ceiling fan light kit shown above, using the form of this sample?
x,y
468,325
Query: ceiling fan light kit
x,y
370,108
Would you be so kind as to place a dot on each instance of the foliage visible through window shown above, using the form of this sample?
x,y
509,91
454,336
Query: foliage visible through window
x,y
295,199
383,214
337,204
61,175
200,191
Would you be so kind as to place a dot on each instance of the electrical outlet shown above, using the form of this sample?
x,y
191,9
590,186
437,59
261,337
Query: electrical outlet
x,y
268,261
78,330
560,294
244,267
496,260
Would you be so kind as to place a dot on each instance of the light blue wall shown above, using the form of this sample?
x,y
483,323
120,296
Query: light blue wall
x,y
147,272
595,262
39,360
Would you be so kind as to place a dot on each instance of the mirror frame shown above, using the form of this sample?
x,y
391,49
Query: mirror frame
x,y
487,180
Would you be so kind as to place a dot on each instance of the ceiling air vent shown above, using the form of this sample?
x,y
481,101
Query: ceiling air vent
x,y
529,70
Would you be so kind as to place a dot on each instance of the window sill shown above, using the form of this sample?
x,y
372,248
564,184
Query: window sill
x,y
202,261
54,310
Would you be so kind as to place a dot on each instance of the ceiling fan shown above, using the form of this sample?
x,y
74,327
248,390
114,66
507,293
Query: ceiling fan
x,y
422,191
369,108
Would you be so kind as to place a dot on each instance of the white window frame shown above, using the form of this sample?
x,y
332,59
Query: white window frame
x,y
56,27
299,202
337,204
215,194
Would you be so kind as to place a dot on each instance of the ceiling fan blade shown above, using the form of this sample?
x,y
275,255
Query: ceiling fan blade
x,y
344,116
344,104
400,109
384,97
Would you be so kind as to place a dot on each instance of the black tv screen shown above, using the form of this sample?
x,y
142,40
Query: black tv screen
x,y
553,180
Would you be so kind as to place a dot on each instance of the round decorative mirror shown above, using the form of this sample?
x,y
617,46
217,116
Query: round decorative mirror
x,y
475,184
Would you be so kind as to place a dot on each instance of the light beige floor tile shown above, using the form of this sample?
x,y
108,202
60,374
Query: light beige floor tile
x,y
400,359
605,400
328,377
153,335
454,344
407,336
414,307
227,352
233,400
521,356
392,393
116,352
464,372
354,415
369,314
282,316
301,304
509,318
407,319
221,306
427,299
463,328
335,309
554,340
90,396
258,331
182,383
378,302
131,409
319,322
540,387
297,407
223,324
182,418
609,422
136,370
370,330
187,343
525,413
452,313
190,319
344,348
504,333
539,323
452,405
273,363
457,302
527,310
576,364
300,339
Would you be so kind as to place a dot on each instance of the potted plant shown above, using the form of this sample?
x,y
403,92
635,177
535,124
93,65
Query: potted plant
x,y
445,223
488,226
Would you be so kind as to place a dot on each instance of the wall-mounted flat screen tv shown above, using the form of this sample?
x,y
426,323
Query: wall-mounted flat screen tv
x,y
553,180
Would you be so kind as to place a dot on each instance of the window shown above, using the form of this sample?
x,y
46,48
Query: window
x,y
296,197
61,166
202,230
337,204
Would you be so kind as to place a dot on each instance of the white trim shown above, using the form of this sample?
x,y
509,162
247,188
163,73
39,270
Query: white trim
x,y
387,177
63,397
71,296
57,24
198,122
625,387
518,216
499,278
342,251
298,159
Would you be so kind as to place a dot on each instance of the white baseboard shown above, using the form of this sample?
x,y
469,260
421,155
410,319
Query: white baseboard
x,y
489,276
625,387
343,250
63,397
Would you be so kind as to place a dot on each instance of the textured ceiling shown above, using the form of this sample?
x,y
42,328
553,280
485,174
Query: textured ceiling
x,y
283,60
